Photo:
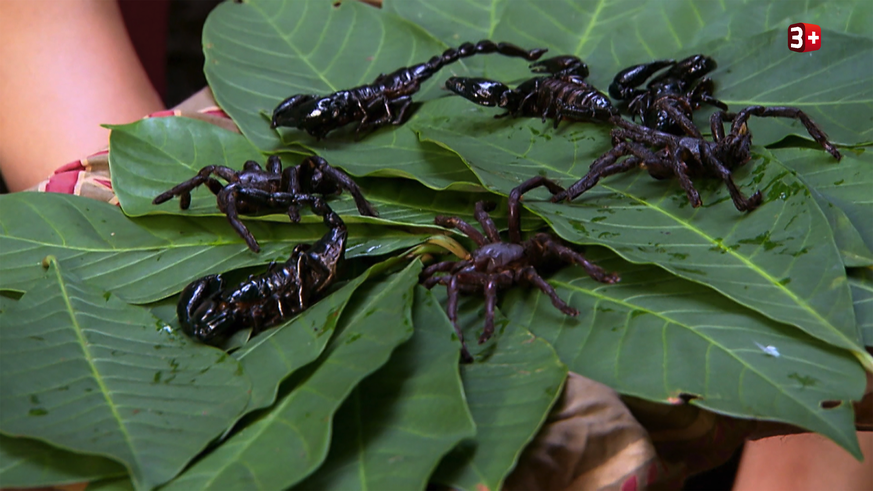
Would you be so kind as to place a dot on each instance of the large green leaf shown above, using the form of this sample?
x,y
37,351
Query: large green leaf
x,y
510,388
284,445
151,156
451,21
87,372
842,190
663,338
26,463
145,259
310,47
395,427
780,259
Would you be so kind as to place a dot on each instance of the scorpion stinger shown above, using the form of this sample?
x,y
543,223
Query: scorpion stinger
x,y
384,101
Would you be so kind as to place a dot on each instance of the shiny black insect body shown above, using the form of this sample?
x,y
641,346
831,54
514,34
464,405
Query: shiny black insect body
x,y
666,155
497,265
564,94
670,98
255,191
386,100
209,311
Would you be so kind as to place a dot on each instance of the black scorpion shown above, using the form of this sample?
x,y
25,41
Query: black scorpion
x,y
210,312
564,93
386,100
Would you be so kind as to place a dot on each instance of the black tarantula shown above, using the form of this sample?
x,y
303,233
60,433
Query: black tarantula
x,y
385,100
209,311
497,265
665,155
669,99
254,190
564,93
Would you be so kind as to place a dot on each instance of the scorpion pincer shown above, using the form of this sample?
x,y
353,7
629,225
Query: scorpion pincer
x,y
386,100
210,312
564,93
669,99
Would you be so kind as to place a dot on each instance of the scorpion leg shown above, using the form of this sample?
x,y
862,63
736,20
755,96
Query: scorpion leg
x,y
569,255
703,92
345,182
481,215
530,274
515,202
455,222
786,112
740,202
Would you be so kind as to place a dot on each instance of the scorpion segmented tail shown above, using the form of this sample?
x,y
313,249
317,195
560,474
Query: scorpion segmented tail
x,y
426,70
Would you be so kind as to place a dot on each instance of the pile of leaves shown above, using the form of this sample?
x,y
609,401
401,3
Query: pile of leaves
x,y
761,315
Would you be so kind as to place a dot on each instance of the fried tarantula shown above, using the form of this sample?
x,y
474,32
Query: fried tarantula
x,y
665,155
497,265
254,191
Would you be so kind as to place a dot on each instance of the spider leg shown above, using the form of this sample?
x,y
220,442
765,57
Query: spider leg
x,y
515,202
183,189
716,123
227,203
452,311
291,183
427,274
680,170
455,222
741,202
345,182
680,118
490,303
481,215
606,165
786,112
568,255
531,275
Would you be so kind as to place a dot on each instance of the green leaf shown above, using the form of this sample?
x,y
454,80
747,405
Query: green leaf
x,y
289,441
510,388
153,155
310,47
396,426
451,21
662,338
842,190
146,259
862,296
761,259
26,463
84,371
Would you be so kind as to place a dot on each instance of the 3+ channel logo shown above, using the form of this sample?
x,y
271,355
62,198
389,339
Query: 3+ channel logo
x,y
804,38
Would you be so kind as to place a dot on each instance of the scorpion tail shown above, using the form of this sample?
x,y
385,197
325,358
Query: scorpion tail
x,y
482,47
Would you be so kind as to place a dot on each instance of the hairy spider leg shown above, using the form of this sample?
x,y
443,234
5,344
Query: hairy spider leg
x,y
568,255
515,202
606,165
227,199
740,202
452,310
481,215
183,190
455,222
668,105
741,117
531,276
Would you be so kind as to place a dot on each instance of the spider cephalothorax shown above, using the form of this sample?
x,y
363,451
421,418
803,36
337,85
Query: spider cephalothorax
x,y
667,155
254,191
667,102
497,265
